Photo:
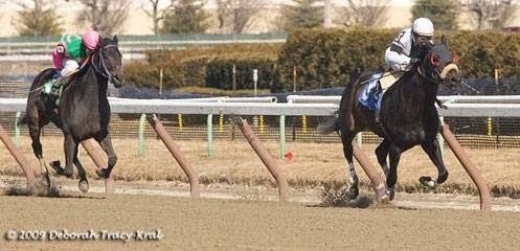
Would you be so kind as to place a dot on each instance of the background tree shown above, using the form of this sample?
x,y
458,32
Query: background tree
x,y
302,14
37,18
491,14
105,16
236,15
158,14
370,13
443,13
187,16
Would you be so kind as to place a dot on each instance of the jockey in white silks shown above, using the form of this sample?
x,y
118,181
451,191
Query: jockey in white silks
x,y
398,58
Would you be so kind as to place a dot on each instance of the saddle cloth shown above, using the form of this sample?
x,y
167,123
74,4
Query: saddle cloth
x,y
377,85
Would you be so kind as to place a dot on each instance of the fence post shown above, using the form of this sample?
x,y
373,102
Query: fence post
x,y
282,136
26,168
177,154
370,171
209,131
440,138
483,189
267,159
140,135
17,129
100,158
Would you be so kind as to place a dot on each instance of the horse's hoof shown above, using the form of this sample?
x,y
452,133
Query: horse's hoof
x,y
83,186
68,173
428,182
353,192
57,167
102,173
390,193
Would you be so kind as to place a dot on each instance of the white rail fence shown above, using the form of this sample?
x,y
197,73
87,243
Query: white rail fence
x,y
458,106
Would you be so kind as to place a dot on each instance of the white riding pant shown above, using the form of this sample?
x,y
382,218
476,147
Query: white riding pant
x,y
69,67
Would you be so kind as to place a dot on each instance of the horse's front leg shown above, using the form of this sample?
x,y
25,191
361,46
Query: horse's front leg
x,y
382,154
83,182
394,156
431,147
70,147
106,145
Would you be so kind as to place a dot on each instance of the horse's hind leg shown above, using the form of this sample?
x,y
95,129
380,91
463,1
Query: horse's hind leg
x,y
432,149
348,152
34,132
106,145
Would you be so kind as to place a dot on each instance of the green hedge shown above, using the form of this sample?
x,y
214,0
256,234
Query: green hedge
x,y
315,58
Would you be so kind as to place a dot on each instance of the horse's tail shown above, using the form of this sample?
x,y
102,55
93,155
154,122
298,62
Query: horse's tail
x,y
346,105
330,125
24,120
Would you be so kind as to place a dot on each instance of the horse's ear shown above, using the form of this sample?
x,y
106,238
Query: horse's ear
x,y
444,39
115,39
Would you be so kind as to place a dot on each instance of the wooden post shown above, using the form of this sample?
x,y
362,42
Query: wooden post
x,y
267,159
370,170
100,158
26,168
177,154
483,189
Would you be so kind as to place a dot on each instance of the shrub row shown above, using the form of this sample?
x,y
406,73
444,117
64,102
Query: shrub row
x,y
313,58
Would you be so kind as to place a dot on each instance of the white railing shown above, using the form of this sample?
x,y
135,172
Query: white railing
x,y
269,106
296,106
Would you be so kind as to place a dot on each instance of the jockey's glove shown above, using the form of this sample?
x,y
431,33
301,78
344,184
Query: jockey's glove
x,y
414,61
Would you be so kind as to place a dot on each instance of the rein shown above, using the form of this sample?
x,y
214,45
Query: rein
x,y
104,70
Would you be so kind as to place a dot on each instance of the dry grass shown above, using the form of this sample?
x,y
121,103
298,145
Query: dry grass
x,y
315,164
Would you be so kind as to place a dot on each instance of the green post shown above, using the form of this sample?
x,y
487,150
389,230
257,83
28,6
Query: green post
x,y
359,139
440,138
140,135
17,129
282,136
209,129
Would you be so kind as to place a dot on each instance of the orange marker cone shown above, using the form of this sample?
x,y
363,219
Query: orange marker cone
x,y
289,156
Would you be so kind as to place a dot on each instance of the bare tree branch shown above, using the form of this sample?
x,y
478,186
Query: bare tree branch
x,y
491,14
236,15
105,16
366,12
157,14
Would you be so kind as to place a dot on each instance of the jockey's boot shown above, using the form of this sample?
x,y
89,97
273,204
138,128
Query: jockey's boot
x,y
377,113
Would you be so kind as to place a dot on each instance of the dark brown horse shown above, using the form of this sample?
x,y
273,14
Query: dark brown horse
x,y
83,111
408,117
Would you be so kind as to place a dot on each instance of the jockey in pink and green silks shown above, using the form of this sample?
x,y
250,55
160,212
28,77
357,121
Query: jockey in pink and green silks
x,y
72,50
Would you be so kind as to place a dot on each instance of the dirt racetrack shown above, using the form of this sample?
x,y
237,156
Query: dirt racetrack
x,y
247,223
241,214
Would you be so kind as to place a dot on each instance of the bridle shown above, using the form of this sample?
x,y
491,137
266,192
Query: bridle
x,y
103,69
435,74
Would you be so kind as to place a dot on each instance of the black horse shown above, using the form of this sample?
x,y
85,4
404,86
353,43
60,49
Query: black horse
x,y
408,116
83,111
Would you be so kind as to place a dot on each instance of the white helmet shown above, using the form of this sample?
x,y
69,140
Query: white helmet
x,y
423,27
